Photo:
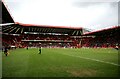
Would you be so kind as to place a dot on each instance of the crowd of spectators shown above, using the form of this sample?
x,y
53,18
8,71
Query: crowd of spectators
x,y
102,42
65,41
42,40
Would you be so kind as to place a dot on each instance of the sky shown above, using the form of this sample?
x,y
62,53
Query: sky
x,y
90,14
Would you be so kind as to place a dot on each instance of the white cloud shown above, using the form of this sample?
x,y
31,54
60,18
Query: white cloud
x,y
92,15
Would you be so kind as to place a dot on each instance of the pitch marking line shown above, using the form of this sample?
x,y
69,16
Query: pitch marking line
x,y
93,59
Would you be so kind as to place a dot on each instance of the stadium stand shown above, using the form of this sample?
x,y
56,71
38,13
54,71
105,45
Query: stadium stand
x,y
103,38
23,35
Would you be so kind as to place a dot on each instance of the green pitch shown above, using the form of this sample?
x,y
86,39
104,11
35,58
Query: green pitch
x,y
60,62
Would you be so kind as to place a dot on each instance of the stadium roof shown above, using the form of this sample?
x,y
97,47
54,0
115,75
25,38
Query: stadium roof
x,y
114,30
6,17
20,29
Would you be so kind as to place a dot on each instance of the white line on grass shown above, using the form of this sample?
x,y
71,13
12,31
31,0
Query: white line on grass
x,y
93,59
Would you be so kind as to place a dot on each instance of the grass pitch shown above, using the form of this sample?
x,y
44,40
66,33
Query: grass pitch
x,y
60,62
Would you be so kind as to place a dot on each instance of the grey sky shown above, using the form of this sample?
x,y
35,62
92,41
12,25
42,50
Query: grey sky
x,y
70,13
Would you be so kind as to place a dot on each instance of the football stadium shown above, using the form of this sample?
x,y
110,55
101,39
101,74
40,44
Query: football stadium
x,y
34,50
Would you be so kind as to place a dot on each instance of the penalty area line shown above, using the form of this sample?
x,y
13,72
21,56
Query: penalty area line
x,y
93,59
